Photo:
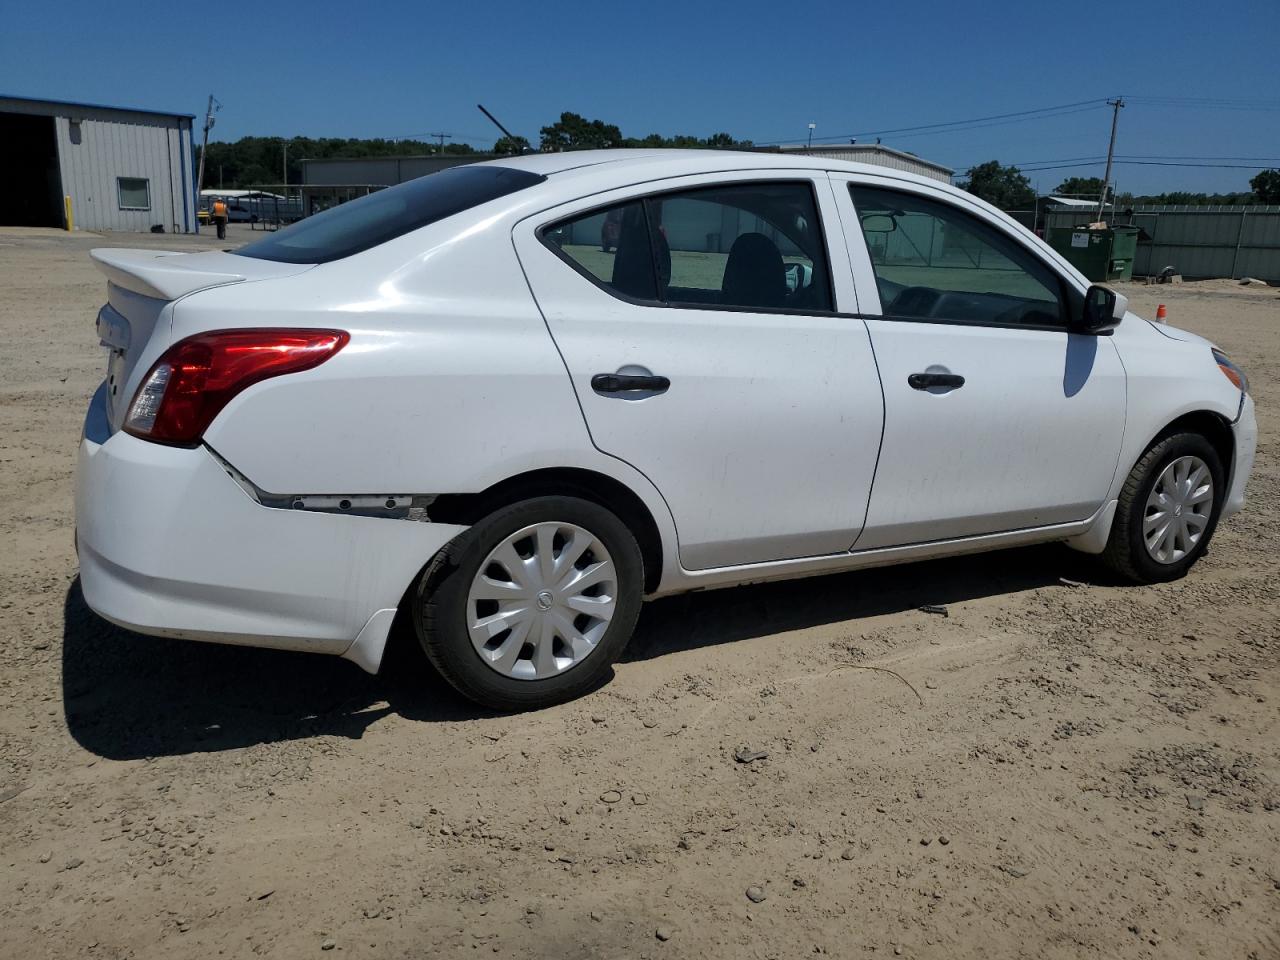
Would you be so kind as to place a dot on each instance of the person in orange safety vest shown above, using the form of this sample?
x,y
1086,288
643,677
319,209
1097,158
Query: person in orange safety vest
x,y
219,215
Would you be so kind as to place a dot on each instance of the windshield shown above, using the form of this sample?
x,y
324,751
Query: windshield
x,y
360,224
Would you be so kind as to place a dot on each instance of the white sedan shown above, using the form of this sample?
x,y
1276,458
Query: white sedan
x,y
451,399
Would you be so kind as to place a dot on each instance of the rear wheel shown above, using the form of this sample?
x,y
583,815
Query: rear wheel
x,y
532,605
1167,510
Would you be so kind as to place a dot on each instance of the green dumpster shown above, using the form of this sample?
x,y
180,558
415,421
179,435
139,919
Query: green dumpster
x,y
1101,255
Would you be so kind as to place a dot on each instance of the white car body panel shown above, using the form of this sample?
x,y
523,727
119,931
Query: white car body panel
x,y
471,352
754,394
1030,440
169,544
1169,379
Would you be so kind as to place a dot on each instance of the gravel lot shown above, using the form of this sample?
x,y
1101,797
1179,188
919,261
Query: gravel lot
x,y
1059,768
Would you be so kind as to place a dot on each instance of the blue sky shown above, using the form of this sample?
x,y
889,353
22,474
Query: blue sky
x,y
758,70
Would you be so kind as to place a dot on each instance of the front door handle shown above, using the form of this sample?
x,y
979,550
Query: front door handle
x,y
625,383
923,381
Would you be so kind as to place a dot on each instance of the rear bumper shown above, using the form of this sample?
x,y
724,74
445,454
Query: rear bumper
x,y
1245,430
170,545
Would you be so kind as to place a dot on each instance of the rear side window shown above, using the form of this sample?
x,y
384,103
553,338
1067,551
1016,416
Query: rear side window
x,y
752,247
360,224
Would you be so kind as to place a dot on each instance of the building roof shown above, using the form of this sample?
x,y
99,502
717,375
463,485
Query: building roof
x,y
850,149
1072,202
694,161
237,194
559,161
97,106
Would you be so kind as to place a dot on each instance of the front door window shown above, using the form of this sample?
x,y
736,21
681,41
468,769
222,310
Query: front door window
x,y
933,261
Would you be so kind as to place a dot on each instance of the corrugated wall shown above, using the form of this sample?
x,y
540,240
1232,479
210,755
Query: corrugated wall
x,y
109,146
382,171
882,158
97,145
1203,242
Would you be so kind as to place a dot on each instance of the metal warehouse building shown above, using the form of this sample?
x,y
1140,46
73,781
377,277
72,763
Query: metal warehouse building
x,y
879,155
115,168
336,180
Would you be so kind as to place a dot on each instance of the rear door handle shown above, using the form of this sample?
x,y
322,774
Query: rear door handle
x,y
625,382
923,381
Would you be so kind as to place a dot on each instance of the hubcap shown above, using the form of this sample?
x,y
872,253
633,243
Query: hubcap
x,y
1178,509
542,601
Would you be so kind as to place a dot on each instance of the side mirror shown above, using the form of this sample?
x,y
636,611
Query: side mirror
x,y
879,223
1103,310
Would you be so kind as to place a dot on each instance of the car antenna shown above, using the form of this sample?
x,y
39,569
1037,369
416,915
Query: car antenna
x,y
505,132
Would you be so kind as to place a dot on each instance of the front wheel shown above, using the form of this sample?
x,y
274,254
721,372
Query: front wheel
x,y
532,605
1167,510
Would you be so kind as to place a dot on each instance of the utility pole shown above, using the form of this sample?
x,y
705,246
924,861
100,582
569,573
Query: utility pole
x,y
1115,104
284,145
209,121
441,137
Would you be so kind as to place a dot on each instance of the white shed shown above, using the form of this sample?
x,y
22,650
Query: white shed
x,y
878,154
115,168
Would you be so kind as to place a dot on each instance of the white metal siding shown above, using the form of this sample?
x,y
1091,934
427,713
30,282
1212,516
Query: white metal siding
x,y
120,143
883,158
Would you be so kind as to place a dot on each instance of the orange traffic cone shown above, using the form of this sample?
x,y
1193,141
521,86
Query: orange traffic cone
x,y
1162,315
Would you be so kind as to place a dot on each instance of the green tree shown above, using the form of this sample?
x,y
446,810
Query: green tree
x,y
258,161
1080,187
1005,187
1266,186
574,132
510,146
723,141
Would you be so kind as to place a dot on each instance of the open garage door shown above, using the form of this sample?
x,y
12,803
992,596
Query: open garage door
x,y
30,184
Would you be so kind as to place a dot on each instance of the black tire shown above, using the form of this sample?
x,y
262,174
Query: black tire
x,y
1126,553
440,607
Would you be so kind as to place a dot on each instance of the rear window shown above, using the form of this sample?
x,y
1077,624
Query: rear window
x,y
360,224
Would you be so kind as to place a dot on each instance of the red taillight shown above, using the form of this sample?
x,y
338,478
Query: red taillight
x,y
197,377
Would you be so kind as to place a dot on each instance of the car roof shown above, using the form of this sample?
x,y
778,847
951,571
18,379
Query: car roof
x,y
660,163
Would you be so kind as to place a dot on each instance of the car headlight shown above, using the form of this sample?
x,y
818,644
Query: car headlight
x,y
1231,371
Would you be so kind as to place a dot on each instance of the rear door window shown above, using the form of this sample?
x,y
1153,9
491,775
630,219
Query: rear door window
x,y
364,223
753,247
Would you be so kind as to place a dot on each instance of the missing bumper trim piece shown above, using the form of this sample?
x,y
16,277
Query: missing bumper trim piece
x,y
389,506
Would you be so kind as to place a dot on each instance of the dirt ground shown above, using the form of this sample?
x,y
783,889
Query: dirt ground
x,y
1059,768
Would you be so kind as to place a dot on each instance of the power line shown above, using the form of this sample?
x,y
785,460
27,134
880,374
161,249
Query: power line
x,y
1147,163
1017,117
1040,113
1136,157
1209,103
1142,156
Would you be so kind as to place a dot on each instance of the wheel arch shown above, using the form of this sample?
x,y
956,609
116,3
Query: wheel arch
x,y
612,494
1212,426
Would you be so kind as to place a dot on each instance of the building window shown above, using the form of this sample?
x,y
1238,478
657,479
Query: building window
x,y
135,193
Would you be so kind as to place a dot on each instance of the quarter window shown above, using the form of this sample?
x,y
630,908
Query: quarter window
x,y
935,262
134,193
753,247
612,247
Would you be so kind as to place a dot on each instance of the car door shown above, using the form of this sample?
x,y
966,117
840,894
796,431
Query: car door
x,y
997,417
697,320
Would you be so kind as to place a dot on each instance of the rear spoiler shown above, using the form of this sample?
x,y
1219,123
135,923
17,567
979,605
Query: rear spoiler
x,y
158,273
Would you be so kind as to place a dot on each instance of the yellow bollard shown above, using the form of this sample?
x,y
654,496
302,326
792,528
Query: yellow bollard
x,y
66,203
